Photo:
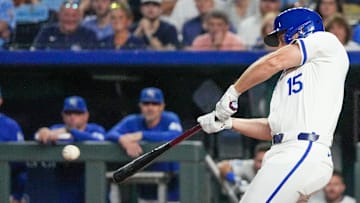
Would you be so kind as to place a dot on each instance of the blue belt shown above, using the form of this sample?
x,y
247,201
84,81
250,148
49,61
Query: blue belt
x,y
277,138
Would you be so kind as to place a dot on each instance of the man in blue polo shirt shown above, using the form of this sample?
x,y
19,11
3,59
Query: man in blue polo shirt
x,y
63,182
154,124
67,33
11,131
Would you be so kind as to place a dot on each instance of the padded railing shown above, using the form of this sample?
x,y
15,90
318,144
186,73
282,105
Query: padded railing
x,y
194,177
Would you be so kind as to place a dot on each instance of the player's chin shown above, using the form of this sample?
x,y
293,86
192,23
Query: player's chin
x,y
150,117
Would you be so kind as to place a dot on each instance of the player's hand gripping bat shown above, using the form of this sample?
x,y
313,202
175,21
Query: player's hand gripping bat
x,y
142,161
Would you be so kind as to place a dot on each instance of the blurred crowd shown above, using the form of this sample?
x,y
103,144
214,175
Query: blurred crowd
x,y
157,24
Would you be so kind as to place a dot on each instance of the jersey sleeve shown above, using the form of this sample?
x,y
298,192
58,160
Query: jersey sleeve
x,y
118,130
15,132
92,133
317,46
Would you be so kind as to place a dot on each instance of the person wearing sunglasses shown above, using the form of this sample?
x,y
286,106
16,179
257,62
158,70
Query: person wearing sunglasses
x,y
63,182
153,124
68,33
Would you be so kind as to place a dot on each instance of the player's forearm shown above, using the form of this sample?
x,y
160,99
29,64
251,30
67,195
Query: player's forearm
x,y
258,72
267,66
86,136
257,128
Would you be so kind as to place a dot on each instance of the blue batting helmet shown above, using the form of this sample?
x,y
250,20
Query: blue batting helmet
x,y
301,21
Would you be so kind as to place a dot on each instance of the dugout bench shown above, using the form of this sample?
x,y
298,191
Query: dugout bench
x,y
194,177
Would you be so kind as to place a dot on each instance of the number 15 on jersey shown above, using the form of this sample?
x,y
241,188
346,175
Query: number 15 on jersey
x,y
295,84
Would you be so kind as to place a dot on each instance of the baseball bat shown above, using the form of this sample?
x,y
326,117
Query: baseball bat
x,y
144,160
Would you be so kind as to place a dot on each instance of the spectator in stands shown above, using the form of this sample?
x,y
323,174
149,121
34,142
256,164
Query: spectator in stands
x,y
167,8
177,12
239,10
327,8
249,29
267,26
334,191
54,5
157,34
63,182
7,22
122,39
100,22
31,11
195,26
67,33
30,16
241,172
286,4
11,131
218,36
154,124
339,26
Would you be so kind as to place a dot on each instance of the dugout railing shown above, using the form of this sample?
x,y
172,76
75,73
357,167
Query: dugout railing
x,y
194,177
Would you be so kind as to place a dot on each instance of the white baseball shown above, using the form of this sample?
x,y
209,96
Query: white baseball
x,y
70,152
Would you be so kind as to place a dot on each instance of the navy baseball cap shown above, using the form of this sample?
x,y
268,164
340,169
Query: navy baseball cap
x,y
75,103
151,94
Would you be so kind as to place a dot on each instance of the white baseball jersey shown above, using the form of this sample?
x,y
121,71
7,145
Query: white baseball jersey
x,y
306,99
309,98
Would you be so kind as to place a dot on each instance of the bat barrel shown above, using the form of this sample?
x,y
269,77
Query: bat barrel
x,y
144,160
139,163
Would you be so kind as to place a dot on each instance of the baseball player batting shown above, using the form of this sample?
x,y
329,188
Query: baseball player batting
x,y
304,108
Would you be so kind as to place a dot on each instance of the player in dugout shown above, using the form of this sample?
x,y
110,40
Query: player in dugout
x,y
63,182
154,124
304,108
11,131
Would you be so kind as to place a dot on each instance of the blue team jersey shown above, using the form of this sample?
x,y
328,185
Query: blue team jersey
x,y
11,131
93,132
168,128
61,182
51,38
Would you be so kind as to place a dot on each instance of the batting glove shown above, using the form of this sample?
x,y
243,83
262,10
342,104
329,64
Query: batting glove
x,y
228,104
210,125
